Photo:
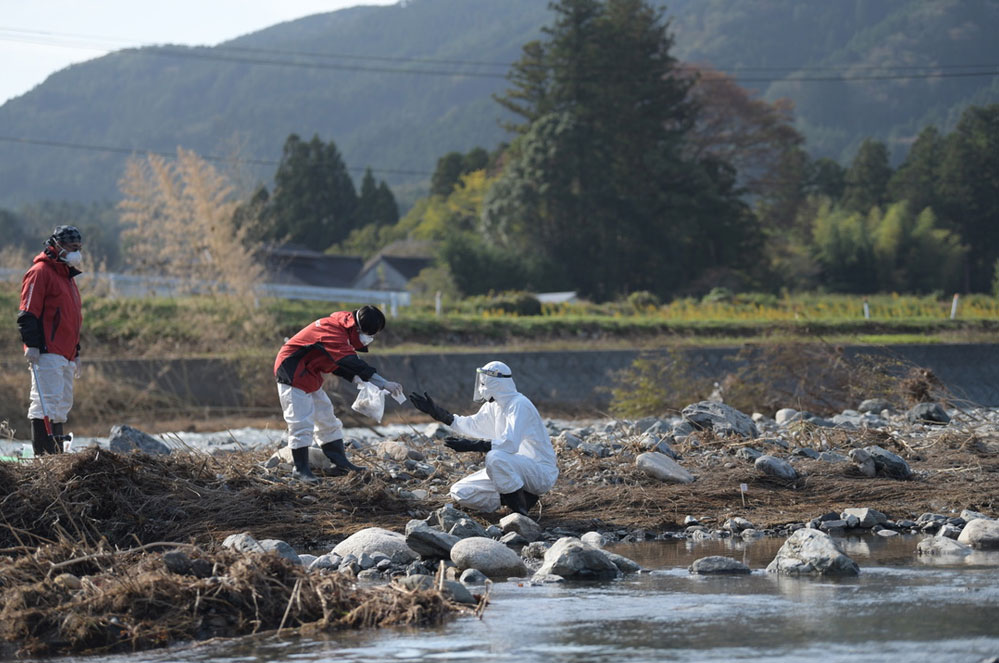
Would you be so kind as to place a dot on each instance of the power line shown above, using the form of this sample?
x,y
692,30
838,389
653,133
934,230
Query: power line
x,y
219,53
170,155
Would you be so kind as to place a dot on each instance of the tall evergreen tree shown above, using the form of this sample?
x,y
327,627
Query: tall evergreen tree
x,y
599,181
916,180
375,204
314,201
969,189
866,181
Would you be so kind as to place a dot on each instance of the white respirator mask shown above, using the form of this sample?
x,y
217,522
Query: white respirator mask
x,y
366,339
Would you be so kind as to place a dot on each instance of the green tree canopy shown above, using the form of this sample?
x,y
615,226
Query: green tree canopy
x,y
314,201
866,181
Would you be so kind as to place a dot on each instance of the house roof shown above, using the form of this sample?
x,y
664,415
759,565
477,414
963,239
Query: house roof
x,y
296,266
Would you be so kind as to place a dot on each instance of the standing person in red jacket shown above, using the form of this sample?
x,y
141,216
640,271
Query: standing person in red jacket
x,y
49,320
328,345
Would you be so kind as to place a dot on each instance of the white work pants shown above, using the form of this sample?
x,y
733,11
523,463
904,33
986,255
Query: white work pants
x,y
309,417
54,386
504,473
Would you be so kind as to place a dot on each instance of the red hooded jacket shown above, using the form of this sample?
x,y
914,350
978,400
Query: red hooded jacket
x,y
51,313
328,345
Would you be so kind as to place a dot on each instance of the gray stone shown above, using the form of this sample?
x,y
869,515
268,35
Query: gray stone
x,y
473,577
775,467
833,457
682,429
784,416
445,517
534,551
968,515
623,564
513,540
805,452
568,439
594,450
875,405
867,518
522,525
490,557
282,549
737,524
306,560
375,539
720,418
864,462
428,542
927,413
125,439
811,552
454,590
663,468
466,527
941,546
595,539
889,464
748,453
177,561
242,542
326,561
981,533
572,559
718,565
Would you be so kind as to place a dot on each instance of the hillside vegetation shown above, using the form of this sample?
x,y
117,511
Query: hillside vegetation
x,y
398,86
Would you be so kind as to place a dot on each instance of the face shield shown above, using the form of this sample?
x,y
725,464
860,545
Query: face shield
x,y
486,377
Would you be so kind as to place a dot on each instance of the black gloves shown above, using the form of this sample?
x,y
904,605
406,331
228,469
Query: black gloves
x,y
426,404
461,444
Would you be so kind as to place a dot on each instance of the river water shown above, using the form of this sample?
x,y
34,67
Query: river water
x,y
900,608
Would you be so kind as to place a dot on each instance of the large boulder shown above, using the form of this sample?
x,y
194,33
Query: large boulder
x,y
375,539
927,413
811,552
663,468
490,557
981,533
942,546
866,518
720,418
125,439
572,559
522,525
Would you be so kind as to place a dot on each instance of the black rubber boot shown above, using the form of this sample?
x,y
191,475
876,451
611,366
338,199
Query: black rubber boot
x,y
515,501
302,469
58,437
39,437
530,499
335,452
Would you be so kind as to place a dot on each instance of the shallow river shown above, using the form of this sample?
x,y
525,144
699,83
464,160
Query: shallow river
x,y
900,608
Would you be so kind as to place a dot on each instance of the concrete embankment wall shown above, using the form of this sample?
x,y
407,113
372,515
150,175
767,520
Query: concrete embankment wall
x,y
575,382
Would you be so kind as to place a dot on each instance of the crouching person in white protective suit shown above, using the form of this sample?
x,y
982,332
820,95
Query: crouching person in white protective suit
x,y
520,460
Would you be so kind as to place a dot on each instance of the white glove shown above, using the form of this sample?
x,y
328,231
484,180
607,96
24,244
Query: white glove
x,y
77,368
395,389
32,354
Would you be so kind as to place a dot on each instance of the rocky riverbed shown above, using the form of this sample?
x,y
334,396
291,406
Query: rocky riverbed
x,y
190,515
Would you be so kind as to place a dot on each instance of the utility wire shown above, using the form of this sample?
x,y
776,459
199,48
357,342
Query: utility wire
x,y
171,155
221,53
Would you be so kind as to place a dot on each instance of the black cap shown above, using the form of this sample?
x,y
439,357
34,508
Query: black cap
x,y
370,320
67,235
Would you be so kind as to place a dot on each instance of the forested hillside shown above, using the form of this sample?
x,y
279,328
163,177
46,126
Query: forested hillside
x,y
397,87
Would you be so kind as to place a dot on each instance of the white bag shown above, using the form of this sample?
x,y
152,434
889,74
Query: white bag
x,y
370,401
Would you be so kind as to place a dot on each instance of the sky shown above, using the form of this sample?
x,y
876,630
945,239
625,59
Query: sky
x,y
40,37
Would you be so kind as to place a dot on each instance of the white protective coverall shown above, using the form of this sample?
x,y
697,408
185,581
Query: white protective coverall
x,y
522,455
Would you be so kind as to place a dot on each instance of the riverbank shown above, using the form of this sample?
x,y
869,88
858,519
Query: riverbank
x,y
74,513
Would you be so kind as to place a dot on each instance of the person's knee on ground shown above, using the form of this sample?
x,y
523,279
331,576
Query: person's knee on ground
x,y
338,456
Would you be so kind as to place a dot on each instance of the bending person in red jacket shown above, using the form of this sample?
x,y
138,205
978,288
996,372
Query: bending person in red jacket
x,y
328,345
49,320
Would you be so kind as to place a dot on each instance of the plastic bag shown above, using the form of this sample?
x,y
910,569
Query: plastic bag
x,y
370,401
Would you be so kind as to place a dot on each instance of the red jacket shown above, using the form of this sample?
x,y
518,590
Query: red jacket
x,y
328,345
50,314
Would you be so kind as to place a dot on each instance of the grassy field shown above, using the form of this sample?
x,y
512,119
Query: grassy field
x,y
198,326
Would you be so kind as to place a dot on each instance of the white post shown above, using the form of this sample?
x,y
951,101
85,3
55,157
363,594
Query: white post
x,y
437,303
394,306
953,307
867,311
